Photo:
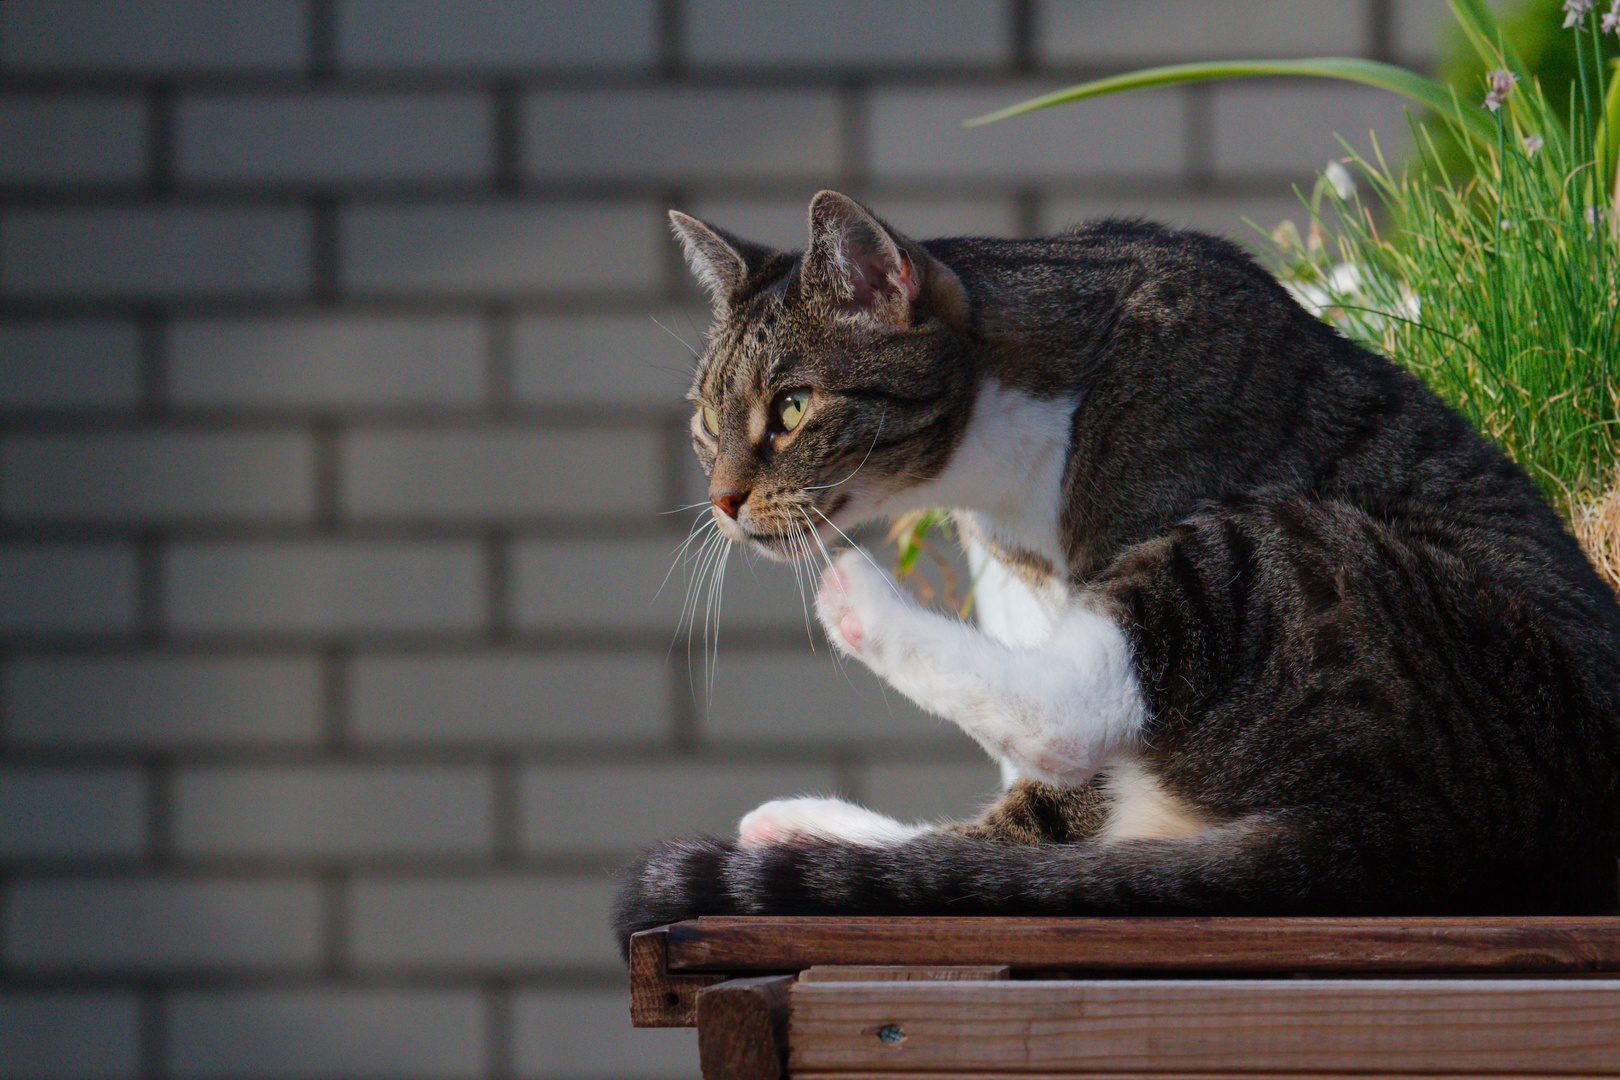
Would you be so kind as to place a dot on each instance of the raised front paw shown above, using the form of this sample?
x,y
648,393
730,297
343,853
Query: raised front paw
x,y
861,608
821,819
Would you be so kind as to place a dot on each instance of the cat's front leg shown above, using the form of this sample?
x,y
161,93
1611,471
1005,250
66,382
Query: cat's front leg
x,y
1058,710
811,818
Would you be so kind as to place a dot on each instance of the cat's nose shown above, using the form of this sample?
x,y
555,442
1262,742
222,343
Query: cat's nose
x,y
729,502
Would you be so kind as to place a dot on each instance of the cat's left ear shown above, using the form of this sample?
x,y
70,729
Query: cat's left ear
x,y
871,269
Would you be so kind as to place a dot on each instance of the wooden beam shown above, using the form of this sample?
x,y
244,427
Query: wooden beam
x,y
742,1029
898,973
1090,946
657,998
1414,1026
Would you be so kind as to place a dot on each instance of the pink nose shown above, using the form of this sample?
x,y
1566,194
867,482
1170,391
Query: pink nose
x,y
729,502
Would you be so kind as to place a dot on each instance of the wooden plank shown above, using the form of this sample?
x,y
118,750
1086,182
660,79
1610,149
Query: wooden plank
x,y
742,1028
859,1075
657,998
1367,946
1540,1026
899,973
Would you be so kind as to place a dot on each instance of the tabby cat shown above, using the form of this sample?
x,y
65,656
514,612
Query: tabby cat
x,y
1265,627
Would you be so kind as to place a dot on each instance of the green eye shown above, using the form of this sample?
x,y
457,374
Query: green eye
x,y
790,405
711,422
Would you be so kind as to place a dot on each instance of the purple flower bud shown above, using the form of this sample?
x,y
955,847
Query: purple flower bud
x,y
1502,81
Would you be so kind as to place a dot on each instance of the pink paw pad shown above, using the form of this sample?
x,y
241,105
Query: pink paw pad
x,y
851,628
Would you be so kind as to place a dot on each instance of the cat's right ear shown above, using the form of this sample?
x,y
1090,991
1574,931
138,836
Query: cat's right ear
x,y
719,260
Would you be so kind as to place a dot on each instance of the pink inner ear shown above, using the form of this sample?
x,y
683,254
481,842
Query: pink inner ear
x,y
873,274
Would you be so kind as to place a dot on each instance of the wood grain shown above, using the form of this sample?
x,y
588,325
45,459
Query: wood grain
x,y
902,973
742,1028
1090,1075
1085,946
657,998
1520,1026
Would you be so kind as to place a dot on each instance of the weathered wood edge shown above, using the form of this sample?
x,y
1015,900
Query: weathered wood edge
x,y
867,1074
742,1028
905,973
657,998
1501,946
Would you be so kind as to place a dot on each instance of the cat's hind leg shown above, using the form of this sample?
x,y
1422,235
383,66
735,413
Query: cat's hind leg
x,y
1059,710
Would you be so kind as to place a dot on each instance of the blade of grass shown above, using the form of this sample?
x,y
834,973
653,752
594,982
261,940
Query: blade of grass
x,y
1344,68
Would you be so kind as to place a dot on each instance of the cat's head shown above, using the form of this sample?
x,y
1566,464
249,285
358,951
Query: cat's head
x,y
833,380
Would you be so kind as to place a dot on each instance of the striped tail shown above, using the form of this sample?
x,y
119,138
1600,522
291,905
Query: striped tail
x,y
1256,866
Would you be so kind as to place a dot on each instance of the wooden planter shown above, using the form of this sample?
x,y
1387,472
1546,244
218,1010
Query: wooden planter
x,y
938,998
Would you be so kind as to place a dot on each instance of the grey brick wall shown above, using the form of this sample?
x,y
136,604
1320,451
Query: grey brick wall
x,y
341,350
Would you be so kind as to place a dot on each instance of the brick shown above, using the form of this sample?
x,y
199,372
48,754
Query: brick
x,y
805,697
930,791
72,813
917,134
645,583
67,588
675,133
139,35
501,922
69,1035
584,809
641,359
154,923
509,698
846,33
158,475
586,1035
57,138
297,1034
332,811
328,138
161,701
480,472
331,361
496,33
1079,31
1271,129
337,586
503,248
93,364
781,222
143,252
1228,216
1425,30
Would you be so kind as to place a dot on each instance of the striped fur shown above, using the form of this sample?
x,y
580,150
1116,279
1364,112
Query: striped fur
x,y
1372,672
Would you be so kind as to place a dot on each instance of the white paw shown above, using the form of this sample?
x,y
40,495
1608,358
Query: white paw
x,y
860,607
821,819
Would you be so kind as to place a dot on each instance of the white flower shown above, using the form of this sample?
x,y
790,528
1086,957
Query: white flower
x,y
1532,143
1574,11
1611,21
1344,185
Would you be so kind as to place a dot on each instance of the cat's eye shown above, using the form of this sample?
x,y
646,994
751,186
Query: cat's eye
x,y
711,421
790,406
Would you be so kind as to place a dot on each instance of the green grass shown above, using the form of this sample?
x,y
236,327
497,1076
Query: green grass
x,y
1499,285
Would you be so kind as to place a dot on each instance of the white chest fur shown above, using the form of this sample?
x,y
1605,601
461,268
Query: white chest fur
x,y
1008,470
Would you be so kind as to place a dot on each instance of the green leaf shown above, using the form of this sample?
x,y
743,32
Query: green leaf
x,y
1346,68
1607,143
1484,33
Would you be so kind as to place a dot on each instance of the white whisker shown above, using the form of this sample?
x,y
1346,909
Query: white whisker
x,y
869,449
886,575
677,337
